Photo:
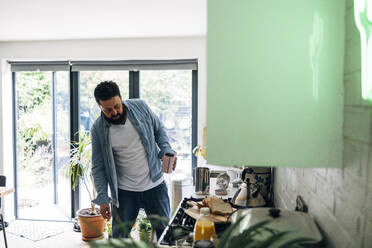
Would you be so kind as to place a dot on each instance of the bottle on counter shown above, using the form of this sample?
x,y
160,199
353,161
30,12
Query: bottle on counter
x,y
204,227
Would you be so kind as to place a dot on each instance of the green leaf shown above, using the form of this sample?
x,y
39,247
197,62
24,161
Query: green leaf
x,y
252,244
255,229
295,242
257,236
239,240
273,239
227,233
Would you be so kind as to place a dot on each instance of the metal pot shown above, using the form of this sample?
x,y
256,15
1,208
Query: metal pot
x,y
202,183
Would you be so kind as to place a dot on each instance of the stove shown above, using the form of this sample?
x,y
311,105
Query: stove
x,y
181,225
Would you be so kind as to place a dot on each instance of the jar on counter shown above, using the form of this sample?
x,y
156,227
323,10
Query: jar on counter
x,y
204,227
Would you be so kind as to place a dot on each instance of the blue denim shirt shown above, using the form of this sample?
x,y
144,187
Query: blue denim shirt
x,y
153,137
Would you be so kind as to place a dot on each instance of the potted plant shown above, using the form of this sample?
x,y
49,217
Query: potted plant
x,y
92,223
144,227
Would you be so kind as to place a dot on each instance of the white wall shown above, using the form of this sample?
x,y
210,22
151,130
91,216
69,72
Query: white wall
x,y
146,48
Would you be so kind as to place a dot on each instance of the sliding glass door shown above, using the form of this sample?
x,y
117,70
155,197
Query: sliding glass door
x,y
42,145
167,92
54,100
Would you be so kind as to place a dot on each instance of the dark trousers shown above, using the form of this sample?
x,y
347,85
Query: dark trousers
x,y
155,201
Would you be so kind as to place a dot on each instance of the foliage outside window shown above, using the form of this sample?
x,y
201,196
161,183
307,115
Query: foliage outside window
x,y
34,127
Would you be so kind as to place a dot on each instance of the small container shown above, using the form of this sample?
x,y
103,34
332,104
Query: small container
x,y
168,166
204,227
203,244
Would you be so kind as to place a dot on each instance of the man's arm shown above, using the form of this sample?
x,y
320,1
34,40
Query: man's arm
x,y
98,172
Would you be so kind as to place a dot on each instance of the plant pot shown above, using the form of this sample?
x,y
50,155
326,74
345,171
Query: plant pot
x,y
92,225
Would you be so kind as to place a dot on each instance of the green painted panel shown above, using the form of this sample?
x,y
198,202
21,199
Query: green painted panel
x,y
275,82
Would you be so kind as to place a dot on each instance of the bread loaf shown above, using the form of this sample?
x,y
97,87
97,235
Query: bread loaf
x,y
217,205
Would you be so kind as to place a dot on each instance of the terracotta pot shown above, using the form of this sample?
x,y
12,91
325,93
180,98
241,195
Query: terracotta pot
x,y
92,226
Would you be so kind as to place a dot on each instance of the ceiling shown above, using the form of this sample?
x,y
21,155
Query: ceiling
x,y
25,20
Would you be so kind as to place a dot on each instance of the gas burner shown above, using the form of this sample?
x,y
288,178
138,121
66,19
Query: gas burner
x,y
181,224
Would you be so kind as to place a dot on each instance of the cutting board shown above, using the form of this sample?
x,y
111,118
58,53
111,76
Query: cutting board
x,y
194,212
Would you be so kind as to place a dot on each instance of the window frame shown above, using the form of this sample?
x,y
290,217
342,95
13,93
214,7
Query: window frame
x,y
134,92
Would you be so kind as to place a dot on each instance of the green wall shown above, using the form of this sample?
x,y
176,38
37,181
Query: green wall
x,y
275,82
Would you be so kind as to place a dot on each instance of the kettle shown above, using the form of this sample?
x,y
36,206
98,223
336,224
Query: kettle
x,y
248,195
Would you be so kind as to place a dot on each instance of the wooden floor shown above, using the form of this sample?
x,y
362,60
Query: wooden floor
x,y
67,239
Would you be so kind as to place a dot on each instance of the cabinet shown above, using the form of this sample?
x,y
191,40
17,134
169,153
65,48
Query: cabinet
x,y
275,83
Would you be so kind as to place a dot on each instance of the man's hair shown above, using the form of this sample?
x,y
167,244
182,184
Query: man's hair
x,y
106,90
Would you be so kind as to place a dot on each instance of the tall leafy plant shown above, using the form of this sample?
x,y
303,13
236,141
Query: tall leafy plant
x,y
79,167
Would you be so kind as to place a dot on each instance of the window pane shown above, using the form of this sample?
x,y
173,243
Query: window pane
x,y
89,110
35,158
169,95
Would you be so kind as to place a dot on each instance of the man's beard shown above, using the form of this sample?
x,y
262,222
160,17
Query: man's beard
x,y
121,120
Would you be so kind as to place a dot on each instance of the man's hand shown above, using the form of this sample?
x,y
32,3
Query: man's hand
x,y
166,161
105,211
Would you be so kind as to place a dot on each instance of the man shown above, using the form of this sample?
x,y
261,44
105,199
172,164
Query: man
x,y
128,144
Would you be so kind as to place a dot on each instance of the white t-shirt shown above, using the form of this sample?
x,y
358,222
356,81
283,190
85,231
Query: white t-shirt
x,y
131,162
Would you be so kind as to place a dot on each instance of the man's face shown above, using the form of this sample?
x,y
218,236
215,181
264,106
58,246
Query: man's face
x,y
112,108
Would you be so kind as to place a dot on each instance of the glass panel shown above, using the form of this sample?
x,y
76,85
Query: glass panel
x,y
62,125
35,170
169,94
89,110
